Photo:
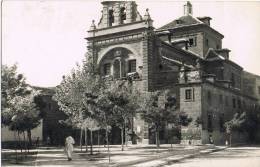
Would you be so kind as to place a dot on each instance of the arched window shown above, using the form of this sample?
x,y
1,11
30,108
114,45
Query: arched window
x,y
111,17
122,15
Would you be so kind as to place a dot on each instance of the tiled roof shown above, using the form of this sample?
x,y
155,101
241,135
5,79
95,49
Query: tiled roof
x,y
182,21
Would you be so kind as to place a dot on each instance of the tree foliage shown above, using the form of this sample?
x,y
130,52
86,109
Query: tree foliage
x,y
247,121
71,94
159,108
19,111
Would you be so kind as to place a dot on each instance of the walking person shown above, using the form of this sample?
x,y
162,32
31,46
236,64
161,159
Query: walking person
x,y
69,147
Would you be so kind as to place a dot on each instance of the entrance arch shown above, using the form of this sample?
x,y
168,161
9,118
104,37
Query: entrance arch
x,y
118,59
108,49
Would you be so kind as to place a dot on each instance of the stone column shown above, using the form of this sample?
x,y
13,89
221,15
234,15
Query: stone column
x,y
105,19
117,14
129,12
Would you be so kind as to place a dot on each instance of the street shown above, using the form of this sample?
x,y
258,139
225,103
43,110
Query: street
x,y
231,157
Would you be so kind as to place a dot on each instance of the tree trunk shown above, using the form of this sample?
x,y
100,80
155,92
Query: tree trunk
x,y
171,137
86,138
91,143
126,139
80,141
19,139
108,151
25,143
157,138
98,140
122,138
16,156
230,139
29,135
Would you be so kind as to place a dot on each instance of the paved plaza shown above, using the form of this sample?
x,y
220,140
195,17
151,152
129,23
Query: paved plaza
x,y
132,156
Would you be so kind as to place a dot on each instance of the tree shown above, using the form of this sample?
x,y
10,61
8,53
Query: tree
x,y
25,115
92,125
12,85
252,122
159,109
76,96
19,111
122,97
246,121
236,123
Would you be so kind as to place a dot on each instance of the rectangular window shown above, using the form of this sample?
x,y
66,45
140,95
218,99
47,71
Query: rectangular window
x,y
132,66
259,90
234,102
239,103
207,42
222,123
188,94
210,127
107,69
209,97
193,41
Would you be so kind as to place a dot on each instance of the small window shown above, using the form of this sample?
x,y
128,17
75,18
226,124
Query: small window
x,y
259,90
160,66
192,41
234,102
222,122
122,15
239,103
188,94
107,69
132,66
209,97
111,17
207,42
210,127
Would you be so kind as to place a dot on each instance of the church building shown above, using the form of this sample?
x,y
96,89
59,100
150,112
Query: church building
x,y
185,56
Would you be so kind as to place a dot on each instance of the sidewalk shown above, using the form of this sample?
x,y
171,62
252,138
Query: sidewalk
x,y
134,155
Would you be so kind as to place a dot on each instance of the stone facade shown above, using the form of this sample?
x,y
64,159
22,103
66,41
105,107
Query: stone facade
x,y
184,56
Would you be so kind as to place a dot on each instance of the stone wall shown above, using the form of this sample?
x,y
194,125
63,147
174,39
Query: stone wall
x,y
220,104
213,42
198,48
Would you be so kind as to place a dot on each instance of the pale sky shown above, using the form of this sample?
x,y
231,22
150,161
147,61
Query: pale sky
x,y
46,37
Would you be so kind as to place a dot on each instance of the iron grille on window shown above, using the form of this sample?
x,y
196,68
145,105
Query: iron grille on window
x,y
132,65
107,69
188,94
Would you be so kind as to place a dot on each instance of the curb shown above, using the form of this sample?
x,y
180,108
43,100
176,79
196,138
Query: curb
x,y
188,156
165,156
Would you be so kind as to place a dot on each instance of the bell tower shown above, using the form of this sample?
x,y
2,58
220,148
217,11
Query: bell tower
x,y
118,12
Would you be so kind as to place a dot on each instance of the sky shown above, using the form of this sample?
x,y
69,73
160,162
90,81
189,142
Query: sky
x,y
46,37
